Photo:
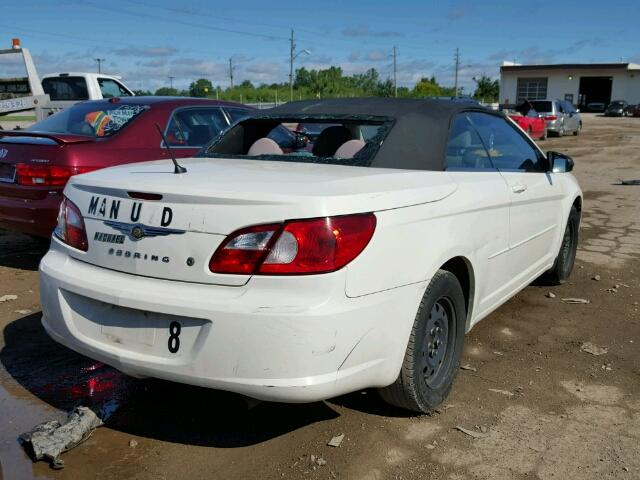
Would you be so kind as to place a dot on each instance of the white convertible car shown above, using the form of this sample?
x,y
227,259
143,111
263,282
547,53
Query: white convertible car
x,y
298,271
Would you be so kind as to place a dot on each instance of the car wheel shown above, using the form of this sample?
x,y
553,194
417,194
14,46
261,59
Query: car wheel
x,y
562,132
545,134
563,264
432,358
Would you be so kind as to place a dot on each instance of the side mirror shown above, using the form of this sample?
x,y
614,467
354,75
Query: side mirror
x,y
559,162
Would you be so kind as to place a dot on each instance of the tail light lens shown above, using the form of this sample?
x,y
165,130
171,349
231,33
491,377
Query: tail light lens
x,y
70,228
47,175
550,117
297,247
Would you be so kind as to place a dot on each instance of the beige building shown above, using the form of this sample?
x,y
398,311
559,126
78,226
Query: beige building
x,y
582,84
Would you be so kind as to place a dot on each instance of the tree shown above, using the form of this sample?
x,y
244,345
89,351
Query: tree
x,y
200,88
142,93
167,92
427,87
487,90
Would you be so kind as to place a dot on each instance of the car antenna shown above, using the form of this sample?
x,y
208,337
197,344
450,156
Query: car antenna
x,y
177,167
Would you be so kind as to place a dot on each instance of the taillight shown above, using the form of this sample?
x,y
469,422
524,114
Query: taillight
x,y
550,117
47,175
70,228
297,247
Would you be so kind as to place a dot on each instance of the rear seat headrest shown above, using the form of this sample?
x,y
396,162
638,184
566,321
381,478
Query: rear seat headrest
x,y
349,149
264,146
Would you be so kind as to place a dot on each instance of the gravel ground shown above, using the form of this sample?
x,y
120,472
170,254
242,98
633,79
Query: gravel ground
x,y
540,406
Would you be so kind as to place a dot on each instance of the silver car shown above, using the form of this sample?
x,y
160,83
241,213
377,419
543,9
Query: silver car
x,y
561,116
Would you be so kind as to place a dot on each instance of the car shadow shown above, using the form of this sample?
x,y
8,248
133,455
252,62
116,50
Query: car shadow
x,y
161,410
21,251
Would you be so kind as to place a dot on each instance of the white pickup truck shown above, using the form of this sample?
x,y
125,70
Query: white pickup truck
x,y
57,91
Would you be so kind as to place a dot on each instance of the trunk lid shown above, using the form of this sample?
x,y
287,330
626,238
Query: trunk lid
x,y
192,213
32,148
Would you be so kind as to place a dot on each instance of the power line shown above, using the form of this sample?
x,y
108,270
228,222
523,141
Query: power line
x,y
174,21
171,77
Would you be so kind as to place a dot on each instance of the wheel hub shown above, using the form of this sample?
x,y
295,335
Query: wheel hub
x,y
436,340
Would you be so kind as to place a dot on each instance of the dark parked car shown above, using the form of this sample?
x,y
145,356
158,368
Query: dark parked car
x,y
36,163
617,108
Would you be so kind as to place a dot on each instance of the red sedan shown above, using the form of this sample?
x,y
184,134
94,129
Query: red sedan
x,y
531,123
36,163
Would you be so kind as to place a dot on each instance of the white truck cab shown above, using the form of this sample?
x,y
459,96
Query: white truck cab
x,y
56,91
66,89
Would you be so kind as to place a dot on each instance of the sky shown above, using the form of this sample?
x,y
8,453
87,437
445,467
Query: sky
x,y
146,41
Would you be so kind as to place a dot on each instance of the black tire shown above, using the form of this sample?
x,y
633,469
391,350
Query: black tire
x,y
561,270
428,369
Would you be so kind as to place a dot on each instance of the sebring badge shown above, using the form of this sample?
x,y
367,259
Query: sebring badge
x,y
139,231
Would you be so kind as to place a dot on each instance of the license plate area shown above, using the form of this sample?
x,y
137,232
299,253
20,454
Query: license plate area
x,y
7,173
138,331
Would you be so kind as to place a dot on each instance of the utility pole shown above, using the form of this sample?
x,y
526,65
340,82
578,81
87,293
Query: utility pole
x,y
292,51
171,81
395,71
457,58
99,60
231,71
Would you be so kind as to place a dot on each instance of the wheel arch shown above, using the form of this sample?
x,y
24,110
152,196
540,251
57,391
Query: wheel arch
x,y
462,268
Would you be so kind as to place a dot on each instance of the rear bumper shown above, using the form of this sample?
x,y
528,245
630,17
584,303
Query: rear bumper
x,y
291,339
33,217
554,126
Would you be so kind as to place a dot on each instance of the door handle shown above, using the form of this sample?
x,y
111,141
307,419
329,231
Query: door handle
x,y
518,188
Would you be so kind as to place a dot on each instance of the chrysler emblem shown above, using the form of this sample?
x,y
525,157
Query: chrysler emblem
x,y
3,152
139,231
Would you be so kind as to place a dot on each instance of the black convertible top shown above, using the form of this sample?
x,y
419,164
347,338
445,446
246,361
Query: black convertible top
x,y
418,137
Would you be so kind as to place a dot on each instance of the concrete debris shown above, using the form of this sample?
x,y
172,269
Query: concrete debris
x,y
551,295
596,278
313,460
133,443
8,298
471,433
593,349
468,367
575,300
336,441
23,312
48,440
502,392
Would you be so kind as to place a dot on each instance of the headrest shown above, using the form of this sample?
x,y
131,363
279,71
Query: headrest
x,y
264,146
349,149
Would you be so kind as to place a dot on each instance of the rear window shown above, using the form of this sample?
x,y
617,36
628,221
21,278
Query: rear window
x,y
91,119
347,141
66,88
542,107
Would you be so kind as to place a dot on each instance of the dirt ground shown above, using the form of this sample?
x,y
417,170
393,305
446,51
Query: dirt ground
x,y
541,407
